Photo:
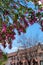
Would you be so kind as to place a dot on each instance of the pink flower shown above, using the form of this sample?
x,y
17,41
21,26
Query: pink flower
x,y
41,1
4,29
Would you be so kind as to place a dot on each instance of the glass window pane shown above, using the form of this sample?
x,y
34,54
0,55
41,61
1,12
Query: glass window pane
x,y
41,62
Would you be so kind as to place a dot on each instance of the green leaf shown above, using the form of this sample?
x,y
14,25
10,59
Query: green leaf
x,y
38,14
16,17
24,30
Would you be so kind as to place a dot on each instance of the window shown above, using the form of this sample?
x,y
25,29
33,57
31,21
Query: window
x,y
41,62
17,63
18,58
14,57
10,64
34,62
14,63
20,63
25,63
11,58
29,62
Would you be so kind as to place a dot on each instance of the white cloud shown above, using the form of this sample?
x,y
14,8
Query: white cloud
x,y
7,50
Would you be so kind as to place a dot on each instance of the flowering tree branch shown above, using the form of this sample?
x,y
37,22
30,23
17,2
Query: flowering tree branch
x,y
20,21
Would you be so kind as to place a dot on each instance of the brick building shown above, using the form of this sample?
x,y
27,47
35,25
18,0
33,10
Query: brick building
x,y
29,56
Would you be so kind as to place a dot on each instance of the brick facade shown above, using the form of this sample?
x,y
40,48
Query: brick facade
x,y
30,56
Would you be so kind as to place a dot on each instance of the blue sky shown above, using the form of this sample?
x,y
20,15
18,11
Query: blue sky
x,y
32,32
